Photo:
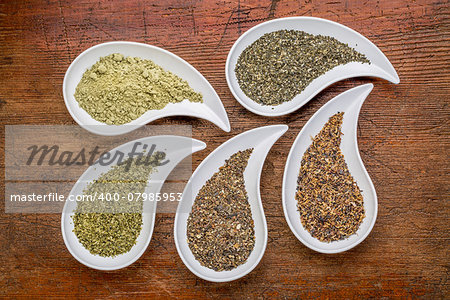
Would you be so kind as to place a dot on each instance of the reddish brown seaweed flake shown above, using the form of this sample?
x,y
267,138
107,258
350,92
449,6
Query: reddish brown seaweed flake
x,y
329,200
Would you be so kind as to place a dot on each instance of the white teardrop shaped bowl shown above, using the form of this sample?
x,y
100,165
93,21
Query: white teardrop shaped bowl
x,y
176,149
379,67
211,109
350,103
261,139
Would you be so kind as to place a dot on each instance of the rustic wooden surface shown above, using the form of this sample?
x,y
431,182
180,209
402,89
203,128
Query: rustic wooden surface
x,y
403,139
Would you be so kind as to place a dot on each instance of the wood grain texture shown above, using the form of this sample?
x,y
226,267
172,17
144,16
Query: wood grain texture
x,y
403,138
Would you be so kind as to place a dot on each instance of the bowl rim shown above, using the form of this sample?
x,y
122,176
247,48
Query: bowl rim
x,y
224,124
281,127
243,102
358,157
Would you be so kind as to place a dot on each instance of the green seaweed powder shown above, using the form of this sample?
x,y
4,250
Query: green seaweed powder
x,y
117,90
110,227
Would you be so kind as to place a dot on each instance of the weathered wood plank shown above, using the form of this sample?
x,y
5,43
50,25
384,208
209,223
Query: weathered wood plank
x,y
403,138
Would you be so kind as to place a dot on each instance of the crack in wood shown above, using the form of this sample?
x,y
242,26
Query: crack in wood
x,y
44,32
273,7
65,31
145,24
99,28
193,21
239,17
224,30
